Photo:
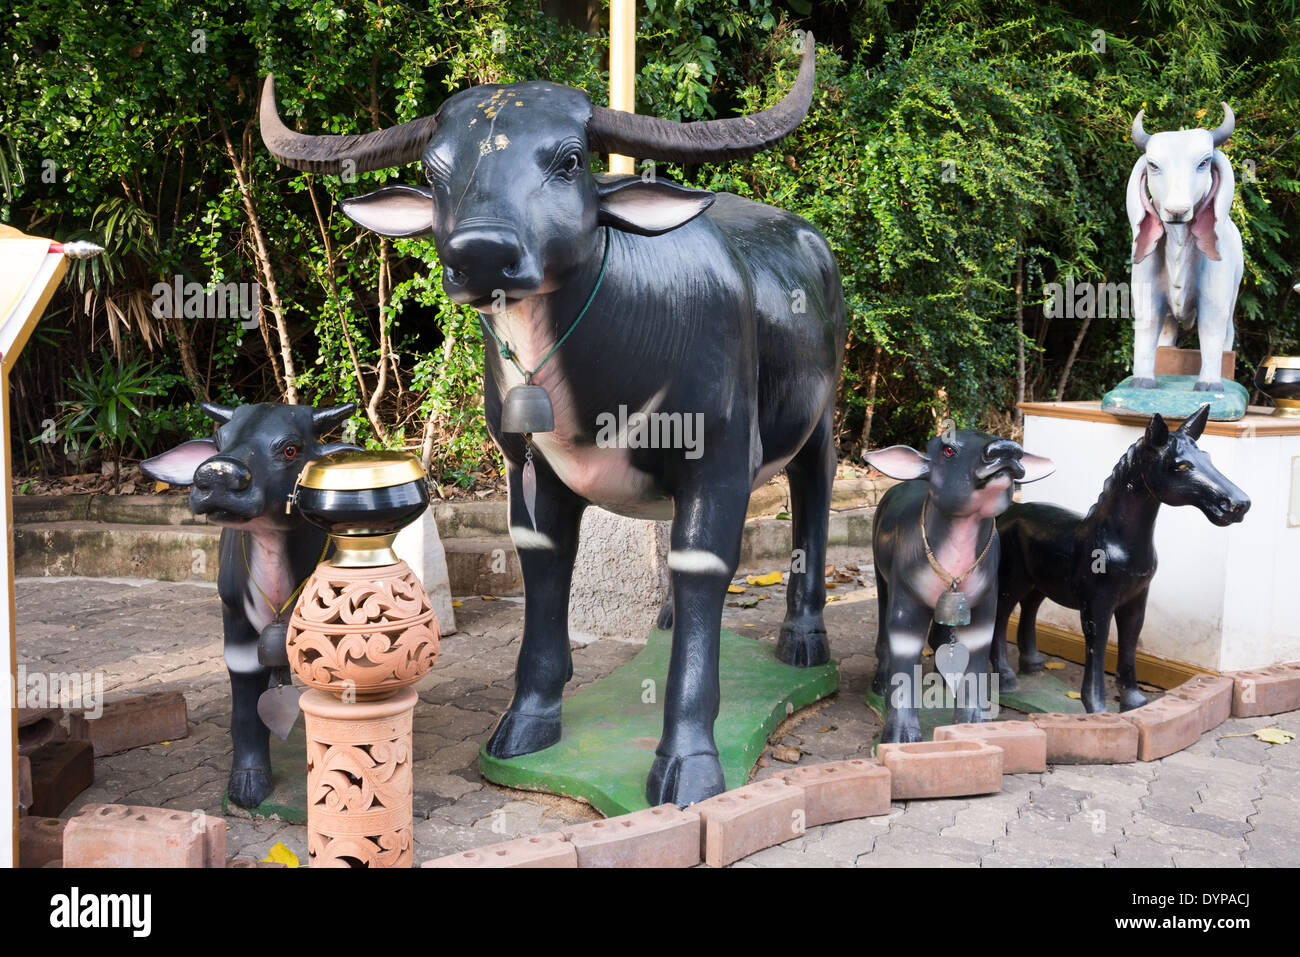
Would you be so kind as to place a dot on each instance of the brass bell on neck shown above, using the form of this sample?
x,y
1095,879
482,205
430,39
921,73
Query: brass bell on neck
x,y
952,608
527,408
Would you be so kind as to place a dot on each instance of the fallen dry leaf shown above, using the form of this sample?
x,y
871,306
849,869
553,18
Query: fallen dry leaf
x,y
788,753
771,578
1055,666
457,604
1073,695
488,597
736,589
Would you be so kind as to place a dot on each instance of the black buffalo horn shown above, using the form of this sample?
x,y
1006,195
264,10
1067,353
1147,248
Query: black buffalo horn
x,y
649,137
328,154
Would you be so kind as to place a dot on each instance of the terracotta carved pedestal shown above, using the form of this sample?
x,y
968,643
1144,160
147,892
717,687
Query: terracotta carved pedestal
x,y
362,632
359,780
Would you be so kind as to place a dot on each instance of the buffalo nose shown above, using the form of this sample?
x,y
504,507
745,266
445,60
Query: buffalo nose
x,y
222,472
1002,449
479,255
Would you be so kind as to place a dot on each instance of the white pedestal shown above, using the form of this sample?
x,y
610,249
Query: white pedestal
x,y
420,547
620,576
1222,599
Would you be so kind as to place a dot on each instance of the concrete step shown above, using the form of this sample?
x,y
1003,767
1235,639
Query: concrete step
x,y
460,519
172,553
483,564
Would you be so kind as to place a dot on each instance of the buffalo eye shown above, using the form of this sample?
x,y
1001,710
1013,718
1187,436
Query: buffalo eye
x,y
949,451
291,451
571,163
1182,466
1152,167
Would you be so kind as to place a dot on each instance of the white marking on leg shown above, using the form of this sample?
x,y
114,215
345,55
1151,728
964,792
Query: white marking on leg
x,y
527,538
697,562
241,658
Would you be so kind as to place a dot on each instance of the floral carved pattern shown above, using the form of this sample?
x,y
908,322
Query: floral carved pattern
x,y
362,631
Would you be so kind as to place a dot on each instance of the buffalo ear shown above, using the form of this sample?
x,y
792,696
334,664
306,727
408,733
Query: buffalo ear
x,y
900,462
176,467
1157,431
1036,467
398,211
1195,424
649,208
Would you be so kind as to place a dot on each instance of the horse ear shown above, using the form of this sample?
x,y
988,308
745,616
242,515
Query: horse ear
x,y
1195,424
1157,431
900,462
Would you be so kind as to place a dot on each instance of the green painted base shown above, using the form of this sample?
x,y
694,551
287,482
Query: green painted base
x,y
1174,398
288,798
1037,693
611,729
1041,693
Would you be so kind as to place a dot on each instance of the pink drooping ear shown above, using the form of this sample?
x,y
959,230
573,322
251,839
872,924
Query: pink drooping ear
x,y
1214,208
1036,467
1142,216
176,467
900,462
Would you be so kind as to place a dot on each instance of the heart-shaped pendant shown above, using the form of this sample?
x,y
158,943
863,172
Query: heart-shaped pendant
x,y
278,708
950,660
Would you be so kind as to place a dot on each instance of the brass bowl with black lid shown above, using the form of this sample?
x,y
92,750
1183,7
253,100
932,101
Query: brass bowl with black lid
x,y
1278,377
362,499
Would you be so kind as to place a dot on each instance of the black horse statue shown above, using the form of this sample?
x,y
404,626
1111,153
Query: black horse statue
x,y
1102,563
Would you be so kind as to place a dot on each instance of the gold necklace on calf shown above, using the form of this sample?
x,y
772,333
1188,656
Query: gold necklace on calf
x,y
951,608
271,640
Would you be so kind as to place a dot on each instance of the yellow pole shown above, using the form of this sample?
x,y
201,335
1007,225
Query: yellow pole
x,y
622,70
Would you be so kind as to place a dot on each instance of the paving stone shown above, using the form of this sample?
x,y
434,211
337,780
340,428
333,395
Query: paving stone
x,y
744,820
907,847
980,823
541,850
934,769
1181,836
1023,744
664,836
1054,801
1142,852
1166,725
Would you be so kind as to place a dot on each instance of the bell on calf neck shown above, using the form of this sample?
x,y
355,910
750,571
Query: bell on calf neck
x,y
527,408
951,608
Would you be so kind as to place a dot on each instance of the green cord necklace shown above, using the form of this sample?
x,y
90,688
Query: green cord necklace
x,y
527,408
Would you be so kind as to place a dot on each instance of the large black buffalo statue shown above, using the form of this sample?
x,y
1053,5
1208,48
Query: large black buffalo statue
x,y
693,306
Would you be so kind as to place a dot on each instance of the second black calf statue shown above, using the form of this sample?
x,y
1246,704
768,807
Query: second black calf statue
x,y
242,480
1102,563
936,556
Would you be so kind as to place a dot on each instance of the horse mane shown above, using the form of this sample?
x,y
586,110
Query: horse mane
x,y
1122,470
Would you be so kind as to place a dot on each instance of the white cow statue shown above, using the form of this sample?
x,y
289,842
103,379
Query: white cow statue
x,y
1187,253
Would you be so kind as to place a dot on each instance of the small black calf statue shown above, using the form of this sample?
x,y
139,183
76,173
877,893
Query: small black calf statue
x,y
243,480
936,555
1102,563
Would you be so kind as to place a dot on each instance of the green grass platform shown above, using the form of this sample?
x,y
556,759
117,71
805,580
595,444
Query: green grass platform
x,y
288,798
1038,693
611,729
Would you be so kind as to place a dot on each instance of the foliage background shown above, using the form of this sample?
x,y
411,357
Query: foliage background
x,y
959,154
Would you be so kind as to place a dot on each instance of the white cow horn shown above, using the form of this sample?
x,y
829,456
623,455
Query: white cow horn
x,y
1221,133
1140,136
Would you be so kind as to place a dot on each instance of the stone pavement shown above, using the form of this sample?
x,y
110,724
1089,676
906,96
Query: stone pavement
x,y
1226,801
